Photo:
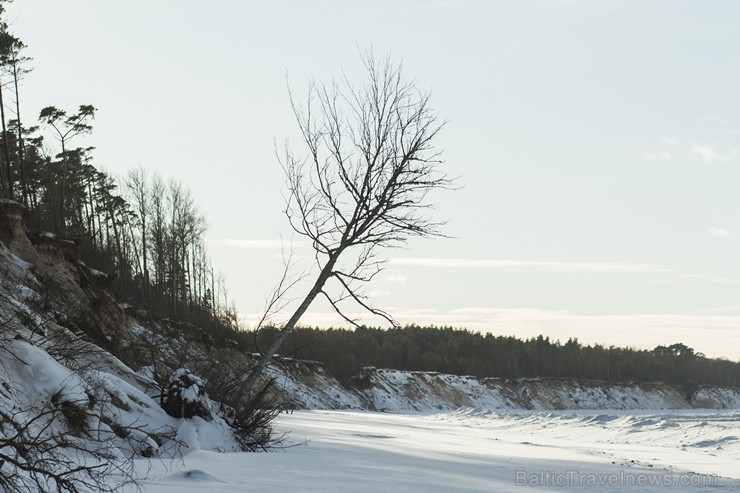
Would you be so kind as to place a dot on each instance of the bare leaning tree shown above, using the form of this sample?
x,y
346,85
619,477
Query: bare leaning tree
x,y
362,186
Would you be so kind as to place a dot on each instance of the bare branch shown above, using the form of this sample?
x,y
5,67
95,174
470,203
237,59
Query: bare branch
x,y
363,183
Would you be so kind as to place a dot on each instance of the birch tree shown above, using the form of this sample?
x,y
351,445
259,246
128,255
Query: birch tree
x,y
362,184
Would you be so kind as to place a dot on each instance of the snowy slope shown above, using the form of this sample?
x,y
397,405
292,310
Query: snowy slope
x,y
305,385
404,391
64,398
584,394
392,390
717,398
35,381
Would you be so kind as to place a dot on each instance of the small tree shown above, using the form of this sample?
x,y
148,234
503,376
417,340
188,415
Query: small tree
x,y
364,184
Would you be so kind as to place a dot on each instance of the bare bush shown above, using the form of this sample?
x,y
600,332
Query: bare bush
x,y
249,413
58,447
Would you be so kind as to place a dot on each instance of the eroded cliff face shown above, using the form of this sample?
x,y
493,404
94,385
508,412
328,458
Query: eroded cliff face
x,y
13,232
394,390
68,291
43,295
716,398
306,385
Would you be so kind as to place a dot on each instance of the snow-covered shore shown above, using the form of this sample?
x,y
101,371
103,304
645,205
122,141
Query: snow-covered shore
x,y
339,451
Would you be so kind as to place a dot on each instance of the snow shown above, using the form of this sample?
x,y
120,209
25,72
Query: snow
x,y
404,391
721,397
32,380
468,450
189,393
13,265
33,372
394,390
305,385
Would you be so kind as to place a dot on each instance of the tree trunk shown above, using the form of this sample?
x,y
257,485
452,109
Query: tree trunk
x,y
117,237
6,151
266,357
21,150
145,287
62,226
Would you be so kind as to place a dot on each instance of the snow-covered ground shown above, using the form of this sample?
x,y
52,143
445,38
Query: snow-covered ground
x,y
341,451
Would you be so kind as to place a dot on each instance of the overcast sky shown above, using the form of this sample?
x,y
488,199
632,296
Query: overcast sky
x,y
597,144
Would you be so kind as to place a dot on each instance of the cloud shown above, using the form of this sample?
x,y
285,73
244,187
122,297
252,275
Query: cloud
x,y
701,278
663,154
669,141
396,278
658,156
720,233
253,244
378,293
528,265
708,153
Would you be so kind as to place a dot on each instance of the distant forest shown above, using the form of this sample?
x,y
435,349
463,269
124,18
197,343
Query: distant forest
x,y
462,352
144,230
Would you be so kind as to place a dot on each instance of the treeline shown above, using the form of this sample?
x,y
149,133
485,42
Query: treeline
x,y
145,230
462,352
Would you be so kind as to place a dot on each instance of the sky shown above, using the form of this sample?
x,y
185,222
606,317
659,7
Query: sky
x,y
597,145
